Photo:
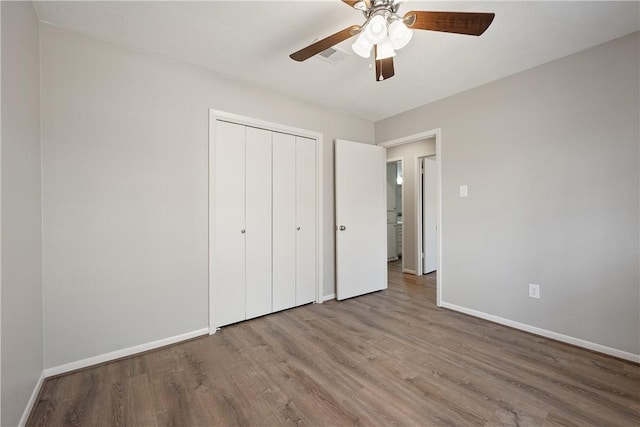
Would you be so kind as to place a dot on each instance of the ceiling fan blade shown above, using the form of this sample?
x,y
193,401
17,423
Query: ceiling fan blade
x,y
384,68
324,44
473,24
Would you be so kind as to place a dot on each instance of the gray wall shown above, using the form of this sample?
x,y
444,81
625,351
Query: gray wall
x,y
21,225
409,153
550,156
125,139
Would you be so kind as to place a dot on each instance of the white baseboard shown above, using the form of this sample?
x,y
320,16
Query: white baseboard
x,y
32,401
328,297
406,270
107,357
546,333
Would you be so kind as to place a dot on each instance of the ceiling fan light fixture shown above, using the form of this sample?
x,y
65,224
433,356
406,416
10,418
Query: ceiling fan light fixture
x,y
399,34
376,29
362,46
385,49
385,32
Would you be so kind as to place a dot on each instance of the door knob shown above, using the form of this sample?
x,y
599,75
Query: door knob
x,y
342,228
298,228
243,231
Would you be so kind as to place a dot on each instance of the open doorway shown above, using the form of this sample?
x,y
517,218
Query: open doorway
x,y
404,223
414,150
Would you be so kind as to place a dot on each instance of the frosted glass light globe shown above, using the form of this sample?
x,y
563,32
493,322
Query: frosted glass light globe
x,y
376,29
399,34
362,46
385,49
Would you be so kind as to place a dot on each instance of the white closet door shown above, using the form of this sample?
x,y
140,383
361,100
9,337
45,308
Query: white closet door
x,y
229,238
305,220
284,221
258,229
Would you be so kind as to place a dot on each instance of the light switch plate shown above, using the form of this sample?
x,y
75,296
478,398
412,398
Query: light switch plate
x,y
464,191
534,291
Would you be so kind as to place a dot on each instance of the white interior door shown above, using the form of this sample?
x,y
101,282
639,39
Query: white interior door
x,y
361,238
429,209
229,219
305,220
258,222
284,221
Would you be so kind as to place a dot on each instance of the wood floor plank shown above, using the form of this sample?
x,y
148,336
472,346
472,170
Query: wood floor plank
x,y
387,358
137,400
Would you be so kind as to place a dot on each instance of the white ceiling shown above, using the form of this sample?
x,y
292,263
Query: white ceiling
x,y
251,41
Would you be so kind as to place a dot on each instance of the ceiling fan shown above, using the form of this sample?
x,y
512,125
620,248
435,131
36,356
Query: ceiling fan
x,y
384,31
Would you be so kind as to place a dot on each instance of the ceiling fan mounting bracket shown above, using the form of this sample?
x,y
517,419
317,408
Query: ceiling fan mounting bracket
x,y
379,7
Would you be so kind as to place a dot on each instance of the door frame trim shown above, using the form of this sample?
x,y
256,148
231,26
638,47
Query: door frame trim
x,y
215,115
434,133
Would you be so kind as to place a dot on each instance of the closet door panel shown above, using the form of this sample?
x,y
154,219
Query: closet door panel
x,y
284,221
258,221
305,220
229,241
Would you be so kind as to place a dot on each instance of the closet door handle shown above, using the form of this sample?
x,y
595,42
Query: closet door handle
x,y
243,231
342,228
298,228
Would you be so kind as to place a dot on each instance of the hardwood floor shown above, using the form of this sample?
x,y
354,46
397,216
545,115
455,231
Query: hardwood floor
x,y
388,358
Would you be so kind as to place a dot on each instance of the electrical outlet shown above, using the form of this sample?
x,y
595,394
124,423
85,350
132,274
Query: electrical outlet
x,y
464,191
534,291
